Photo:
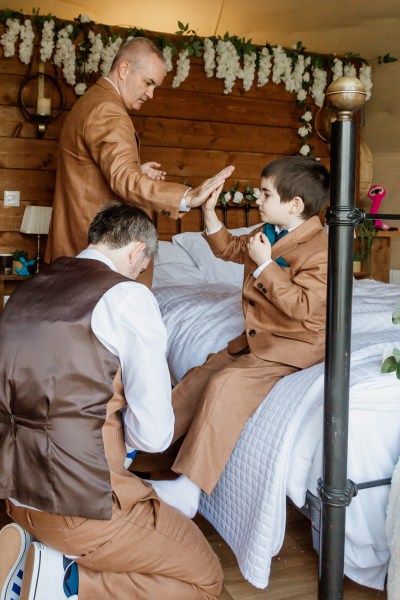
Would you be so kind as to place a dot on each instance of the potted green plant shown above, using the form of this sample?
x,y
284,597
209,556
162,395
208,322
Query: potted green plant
x,y
17,255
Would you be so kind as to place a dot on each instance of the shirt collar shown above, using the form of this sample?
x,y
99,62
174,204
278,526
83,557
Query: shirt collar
x,y
96,255
278,229
113,84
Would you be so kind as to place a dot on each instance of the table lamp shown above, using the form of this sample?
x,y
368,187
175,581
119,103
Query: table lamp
x,y
36,221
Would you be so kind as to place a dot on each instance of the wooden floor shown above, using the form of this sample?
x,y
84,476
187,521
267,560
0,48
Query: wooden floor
x,y
294,572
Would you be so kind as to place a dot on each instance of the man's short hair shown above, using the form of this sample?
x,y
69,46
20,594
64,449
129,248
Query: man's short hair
x,y
118,224
136,50
300,176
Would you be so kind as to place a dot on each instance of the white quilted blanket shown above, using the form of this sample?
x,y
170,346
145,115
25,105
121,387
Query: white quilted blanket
x,y
248,506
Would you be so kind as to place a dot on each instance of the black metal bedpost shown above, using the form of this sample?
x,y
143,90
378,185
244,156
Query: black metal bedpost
x,y
346,95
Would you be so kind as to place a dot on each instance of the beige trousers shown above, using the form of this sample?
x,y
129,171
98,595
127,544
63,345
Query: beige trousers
x,y
212,404
150,552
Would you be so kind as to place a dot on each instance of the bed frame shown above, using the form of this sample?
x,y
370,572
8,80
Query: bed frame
x,y
334,489
335,492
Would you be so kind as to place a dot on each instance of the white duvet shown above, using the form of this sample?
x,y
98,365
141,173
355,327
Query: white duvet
x,y
280,450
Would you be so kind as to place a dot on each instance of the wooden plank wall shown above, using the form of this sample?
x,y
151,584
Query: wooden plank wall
x,y
193,131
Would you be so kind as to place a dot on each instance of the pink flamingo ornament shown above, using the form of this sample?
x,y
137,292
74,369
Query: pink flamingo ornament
x,y
377,194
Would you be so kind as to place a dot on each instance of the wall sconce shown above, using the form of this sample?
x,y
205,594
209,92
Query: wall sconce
x,y
41,98
36,221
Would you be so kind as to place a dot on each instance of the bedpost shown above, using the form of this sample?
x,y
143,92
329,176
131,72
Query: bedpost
x,y
345,96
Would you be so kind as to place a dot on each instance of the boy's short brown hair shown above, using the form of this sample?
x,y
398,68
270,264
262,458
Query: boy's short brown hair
x,y
300,176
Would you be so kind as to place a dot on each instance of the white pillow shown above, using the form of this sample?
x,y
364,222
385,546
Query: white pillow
x,y
173,266
168,253
213,269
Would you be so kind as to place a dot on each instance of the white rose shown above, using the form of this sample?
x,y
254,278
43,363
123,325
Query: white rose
x,y
305,150
80,89
227,196
256,192
238,197
307,116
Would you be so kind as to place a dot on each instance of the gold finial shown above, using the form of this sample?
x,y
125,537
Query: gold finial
x,y
345,96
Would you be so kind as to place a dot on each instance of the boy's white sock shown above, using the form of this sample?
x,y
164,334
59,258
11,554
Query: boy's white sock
x,y
182,493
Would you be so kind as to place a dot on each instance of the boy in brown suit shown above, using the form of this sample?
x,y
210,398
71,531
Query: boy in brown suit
x,y
284,304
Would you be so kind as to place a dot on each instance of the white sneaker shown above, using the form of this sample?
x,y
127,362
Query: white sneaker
x,y
44,574
14,544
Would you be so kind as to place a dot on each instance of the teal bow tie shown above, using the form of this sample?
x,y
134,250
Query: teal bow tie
x,y
270,231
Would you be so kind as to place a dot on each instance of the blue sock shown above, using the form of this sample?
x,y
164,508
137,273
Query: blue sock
x,y
71,577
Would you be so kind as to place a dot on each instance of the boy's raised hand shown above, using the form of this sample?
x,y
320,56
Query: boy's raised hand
x,y
259,248
211,202
210,216
198,195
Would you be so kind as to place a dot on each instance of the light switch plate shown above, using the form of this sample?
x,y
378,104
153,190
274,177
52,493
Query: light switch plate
x,y
11,198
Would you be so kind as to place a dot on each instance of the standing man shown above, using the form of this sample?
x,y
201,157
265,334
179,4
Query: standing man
x,y
83,368
98,156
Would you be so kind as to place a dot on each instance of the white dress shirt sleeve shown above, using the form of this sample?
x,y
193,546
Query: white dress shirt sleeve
x,y
127,321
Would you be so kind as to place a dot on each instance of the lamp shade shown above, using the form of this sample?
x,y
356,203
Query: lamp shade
x,y
36,220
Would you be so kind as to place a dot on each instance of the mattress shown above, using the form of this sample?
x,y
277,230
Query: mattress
x,y
280,450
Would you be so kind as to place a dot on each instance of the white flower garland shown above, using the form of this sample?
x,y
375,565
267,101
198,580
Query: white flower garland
x,y
47,42
182,68
209,57
95,52
249,69
265,67
298,73
64,55
26,46
167,53
9,38
108,53
228,65
366,79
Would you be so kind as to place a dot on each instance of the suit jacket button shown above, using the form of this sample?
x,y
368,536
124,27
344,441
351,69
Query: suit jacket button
x,y
252,332
259,285
264,291
252,303
166,213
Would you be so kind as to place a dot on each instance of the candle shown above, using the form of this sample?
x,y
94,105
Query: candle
x,y
43,106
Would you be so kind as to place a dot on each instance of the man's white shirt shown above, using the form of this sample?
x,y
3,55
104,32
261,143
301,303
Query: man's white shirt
x,y
128,322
